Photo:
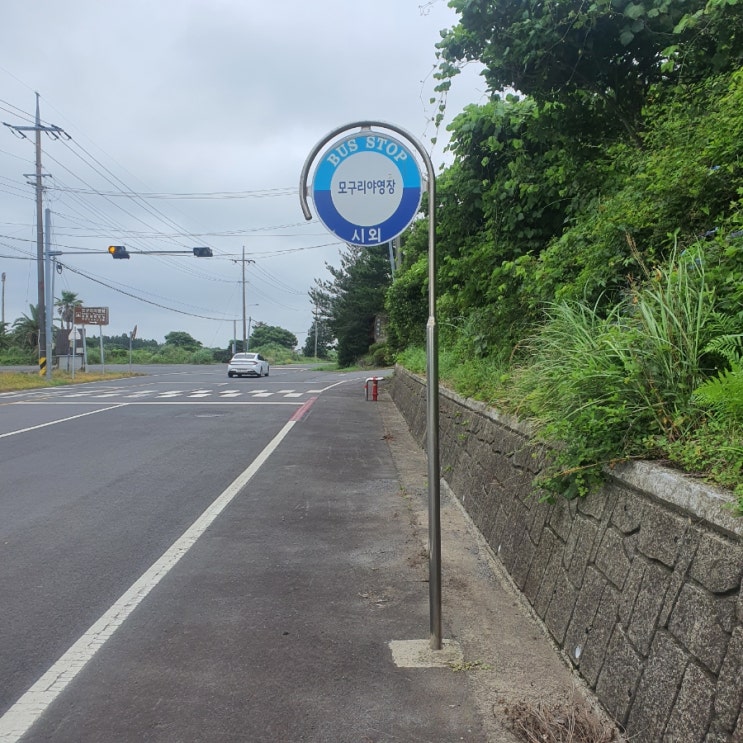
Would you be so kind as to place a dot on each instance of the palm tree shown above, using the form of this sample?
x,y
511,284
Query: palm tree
x,y
26,328
66,305
4,335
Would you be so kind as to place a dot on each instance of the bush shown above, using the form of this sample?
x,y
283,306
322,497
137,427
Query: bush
x,y
606,387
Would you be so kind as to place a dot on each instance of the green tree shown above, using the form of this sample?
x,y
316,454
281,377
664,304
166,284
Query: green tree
x,y
26,329
353,298
66,306
319,338
264,335
599,58
181,339
5,337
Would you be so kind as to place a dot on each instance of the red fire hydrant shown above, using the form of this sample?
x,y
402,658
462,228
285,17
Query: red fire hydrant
x,y
374,387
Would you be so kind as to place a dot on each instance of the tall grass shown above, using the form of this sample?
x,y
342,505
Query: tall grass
x,y
603,387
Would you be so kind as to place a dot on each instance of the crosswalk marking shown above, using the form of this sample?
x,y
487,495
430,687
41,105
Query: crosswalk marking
x,y
157,394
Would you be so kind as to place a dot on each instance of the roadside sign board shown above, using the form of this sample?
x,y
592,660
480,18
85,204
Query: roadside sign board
x,y
91,316
367,188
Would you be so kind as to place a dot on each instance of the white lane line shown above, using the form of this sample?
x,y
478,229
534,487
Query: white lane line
x,y
24,713
61,420
141,403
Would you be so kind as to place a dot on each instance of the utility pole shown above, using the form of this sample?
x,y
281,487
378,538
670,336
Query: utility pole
x,y
3,315
244,260
55,132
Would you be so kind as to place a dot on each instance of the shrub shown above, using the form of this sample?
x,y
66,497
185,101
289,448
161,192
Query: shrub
x,y
603,387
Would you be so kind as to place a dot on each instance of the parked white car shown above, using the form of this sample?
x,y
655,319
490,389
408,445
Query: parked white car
x,y
247,365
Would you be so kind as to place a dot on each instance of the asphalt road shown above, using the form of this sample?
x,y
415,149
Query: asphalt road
x,y
191,558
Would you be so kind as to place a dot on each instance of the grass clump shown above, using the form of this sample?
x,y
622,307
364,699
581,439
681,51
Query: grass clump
x,y
630,382
558,723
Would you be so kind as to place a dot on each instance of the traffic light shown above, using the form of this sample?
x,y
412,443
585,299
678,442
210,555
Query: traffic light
x,y
203,252
118,251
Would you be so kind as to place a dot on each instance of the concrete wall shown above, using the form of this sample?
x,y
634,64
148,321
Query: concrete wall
x,y
639,584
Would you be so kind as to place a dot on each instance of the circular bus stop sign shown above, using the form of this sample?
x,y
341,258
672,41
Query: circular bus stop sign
x,y
367,188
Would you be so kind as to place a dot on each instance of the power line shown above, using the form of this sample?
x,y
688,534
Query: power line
x,y
258,194
141,299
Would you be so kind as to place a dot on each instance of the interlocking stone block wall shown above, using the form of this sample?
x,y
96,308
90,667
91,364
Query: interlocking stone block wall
x,y
639,583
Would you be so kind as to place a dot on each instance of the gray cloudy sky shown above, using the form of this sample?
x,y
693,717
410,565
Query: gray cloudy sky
x,y
190,121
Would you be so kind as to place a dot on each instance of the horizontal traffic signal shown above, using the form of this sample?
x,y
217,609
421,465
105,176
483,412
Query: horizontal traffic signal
x,y
118,251
203,252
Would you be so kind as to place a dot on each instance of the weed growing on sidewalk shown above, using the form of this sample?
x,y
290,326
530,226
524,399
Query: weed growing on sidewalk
x,y
571,722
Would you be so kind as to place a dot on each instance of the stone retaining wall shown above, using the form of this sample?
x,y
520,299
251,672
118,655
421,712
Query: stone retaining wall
x,y
639,584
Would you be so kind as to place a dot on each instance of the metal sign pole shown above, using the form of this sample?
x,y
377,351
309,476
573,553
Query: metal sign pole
x,y
432,366
100,337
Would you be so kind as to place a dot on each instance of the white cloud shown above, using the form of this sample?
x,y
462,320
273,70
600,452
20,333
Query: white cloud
x,y
175,97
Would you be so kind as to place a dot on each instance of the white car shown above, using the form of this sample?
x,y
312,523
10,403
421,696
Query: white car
x,y
247,364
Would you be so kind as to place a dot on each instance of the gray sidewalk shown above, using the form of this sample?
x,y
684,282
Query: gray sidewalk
x,y
507,657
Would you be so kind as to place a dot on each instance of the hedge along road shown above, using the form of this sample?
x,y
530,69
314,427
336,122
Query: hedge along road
x,y
190,561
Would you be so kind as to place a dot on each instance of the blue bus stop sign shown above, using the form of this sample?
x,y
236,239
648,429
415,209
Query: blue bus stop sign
x,y
367,188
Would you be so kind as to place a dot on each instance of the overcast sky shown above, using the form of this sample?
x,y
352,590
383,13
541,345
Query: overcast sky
x,y
189,122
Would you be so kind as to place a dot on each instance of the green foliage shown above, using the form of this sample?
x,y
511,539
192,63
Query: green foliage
x,y
66,306
16,356
407,305
26,329
590,228
263,335
351,301
277,353
182,340
598,58
319,341
714,451
724,393
605,386
413,358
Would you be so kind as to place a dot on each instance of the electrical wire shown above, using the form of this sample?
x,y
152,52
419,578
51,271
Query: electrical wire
x,y
140,299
